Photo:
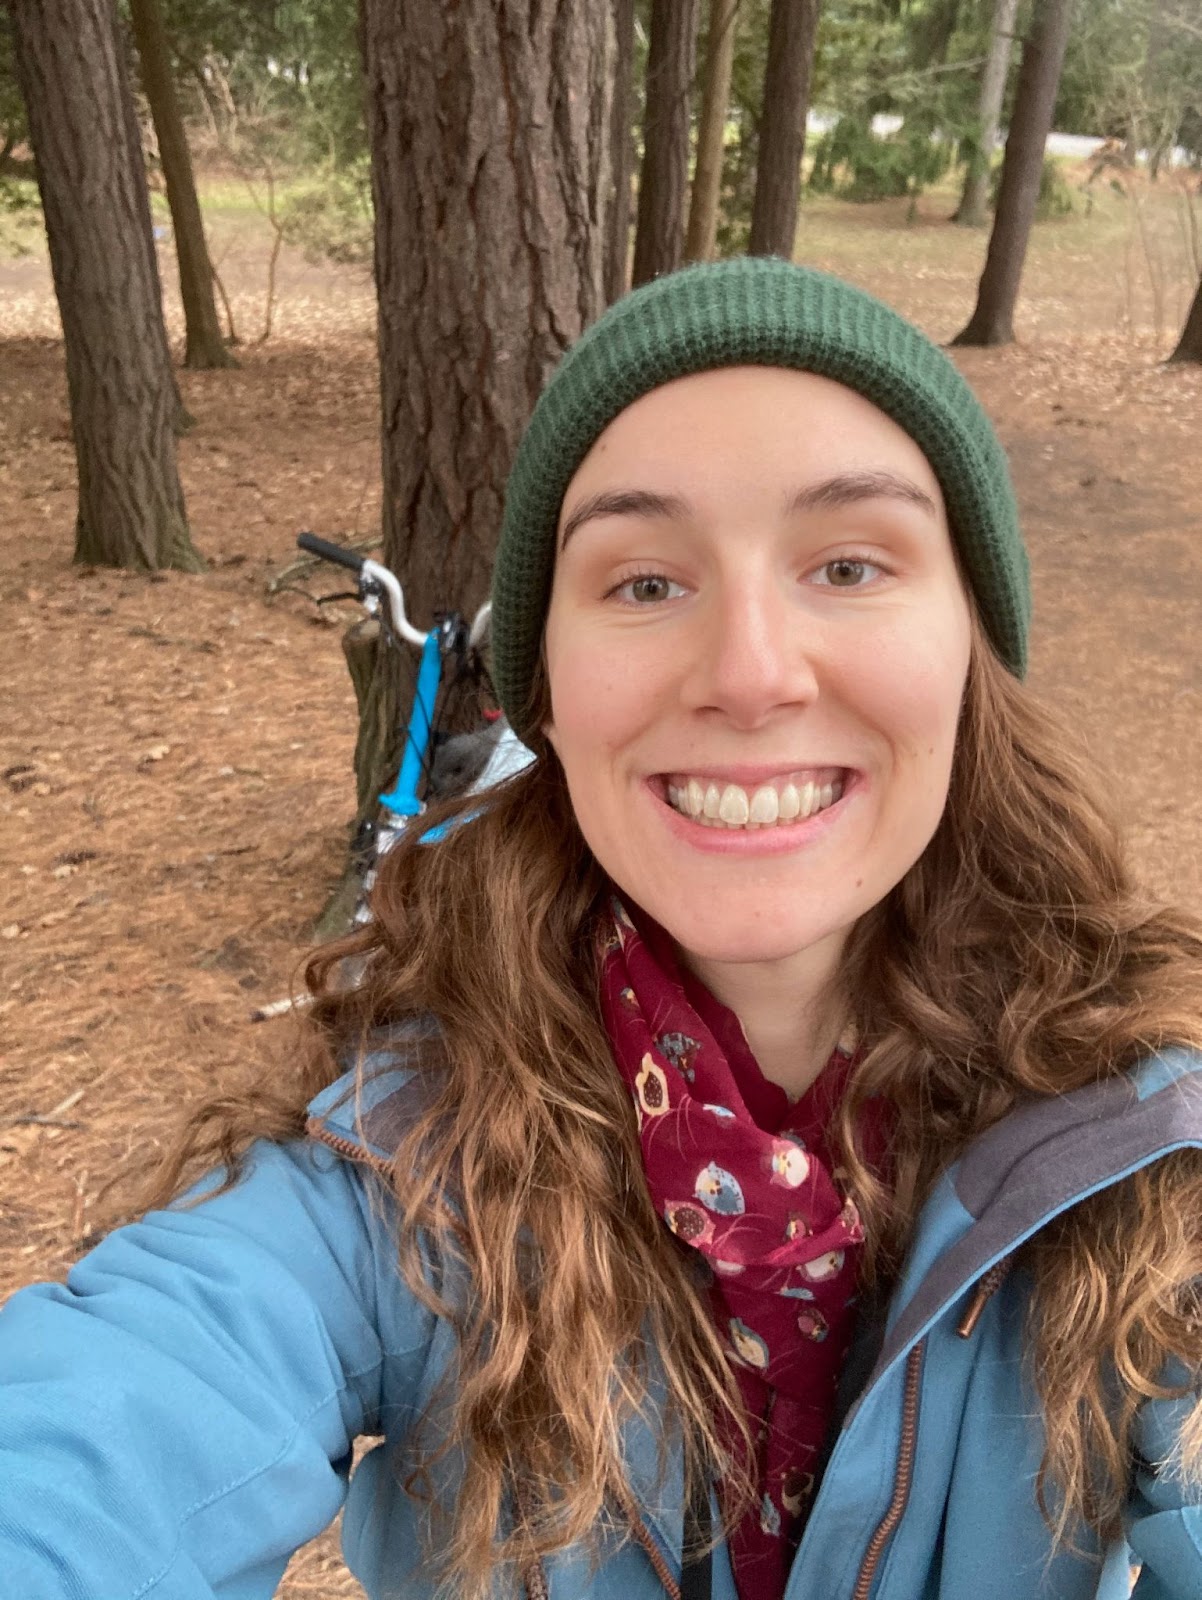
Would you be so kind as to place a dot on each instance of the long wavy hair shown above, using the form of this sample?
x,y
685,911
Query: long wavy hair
x,y
1016,959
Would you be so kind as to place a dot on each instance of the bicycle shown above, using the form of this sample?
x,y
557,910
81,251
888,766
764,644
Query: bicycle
x,y
444,764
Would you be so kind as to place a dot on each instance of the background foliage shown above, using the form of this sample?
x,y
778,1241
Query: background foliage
x,y
272,93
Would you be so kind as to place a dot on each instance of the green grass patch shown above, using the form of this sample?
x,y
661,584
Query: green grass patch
x,y
20,217
235,197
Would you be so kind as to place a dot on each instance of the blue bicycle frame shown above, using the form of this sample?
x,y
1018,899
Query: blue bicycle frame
x,y
401,800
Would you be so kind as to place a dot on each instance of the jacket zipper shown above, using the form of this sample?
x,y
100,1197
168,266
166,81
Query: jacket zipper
x,y
901,1479
534,1577
347,1147
989,1284
662,1571
643,1535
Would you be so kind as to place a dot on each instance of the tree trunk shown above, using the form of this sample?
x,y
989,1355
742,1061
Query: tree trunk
x,y
791,35
124,403
203,344
621,143
1189,346
491,173
663,180
707,179
992,322
974,202
1162,114
931,36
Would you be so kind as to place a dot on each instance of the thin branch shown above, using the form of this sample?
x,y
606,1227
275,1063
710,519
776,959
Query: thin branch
x,y
269,212
273,260
232,336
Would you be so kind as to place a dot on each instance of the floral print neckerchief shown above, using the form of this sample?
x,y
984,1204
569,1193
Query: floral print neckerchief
x,y
741,1173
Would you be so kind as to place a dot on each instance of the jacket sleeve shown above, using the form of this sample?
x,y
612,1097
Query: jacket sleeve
x,y
178,1418
1165,1512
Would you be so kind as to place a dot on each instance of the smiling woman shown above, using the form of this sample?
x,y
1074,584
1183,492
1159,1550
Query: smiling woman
x,y
763,1157
774,614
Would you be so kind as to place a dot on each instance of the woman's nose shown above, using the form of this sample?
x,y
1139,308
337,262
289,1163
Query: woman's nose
x,y
752,654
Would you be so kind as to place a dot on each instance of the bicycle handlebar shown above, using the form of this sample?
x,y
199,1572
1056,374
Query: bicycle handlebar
x,y
330,552
374,578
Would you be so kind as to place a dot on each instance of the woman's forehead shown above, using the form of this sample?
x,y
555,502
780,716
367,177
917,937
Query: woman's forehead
x,y
750,426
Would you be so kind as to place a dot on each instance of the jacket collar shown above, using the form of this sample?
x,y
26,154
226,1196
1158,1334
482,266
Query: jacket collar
x,y
1038,1161
364,1112
358,1110
1035,1162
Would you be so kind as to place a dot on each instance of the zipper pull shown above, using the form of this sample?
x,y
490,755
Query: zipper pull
x,y
987,1285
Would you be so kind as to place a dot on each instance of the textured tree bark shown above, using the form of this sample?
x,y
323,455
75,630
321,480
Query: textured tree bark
x,y
973,207
203,343
490,137
124,403
621,143
791,35
664,177
1189,346
992,321
707,179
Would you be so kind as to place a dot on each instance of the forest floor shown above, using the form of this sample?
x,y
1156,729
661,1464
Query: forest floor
x,y
175,751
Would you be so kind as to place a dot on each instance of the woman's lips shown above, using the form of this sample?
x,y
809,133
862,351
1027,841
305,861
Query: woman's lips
x,y
739,832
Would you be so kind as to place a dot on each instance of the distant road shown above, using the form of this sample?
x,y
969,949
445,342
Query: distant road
x,y
1073,144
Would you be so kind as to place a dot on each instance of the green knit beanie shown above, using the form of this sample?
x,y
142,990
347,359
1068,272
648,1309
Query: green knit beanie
x,y
756,311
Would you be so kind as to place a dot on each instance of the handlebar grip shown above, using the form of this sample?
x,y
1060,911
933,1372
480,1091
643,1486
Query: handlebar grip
x,y
336,553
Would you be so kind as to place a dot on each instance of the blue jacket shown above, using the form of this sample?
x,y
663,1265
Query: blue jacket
x,y
179,1417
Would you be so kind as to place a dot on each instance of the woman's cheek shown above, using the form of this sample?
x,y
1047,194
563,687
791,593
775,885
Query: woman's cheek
x,y
599,692
919,675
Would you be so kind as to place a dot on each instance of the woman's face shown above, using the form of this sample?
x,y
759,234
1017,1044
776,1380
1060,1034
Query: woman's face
x,y
756,612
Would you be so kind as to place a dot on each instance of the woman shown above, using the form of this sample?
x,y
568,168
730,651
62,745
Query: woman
x,y
763,1155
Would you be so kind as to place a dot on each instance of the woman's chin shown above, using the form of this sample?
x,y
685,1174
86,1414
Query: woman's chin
x,y
737,938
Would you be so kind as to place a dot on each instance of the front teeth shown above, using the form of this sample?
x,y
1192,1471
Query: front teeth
x,y
732,807
764,805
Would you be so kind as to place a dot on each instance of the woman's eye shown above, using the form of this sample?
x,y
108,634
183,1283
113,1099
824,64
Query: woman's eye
x,y
646,588
845,572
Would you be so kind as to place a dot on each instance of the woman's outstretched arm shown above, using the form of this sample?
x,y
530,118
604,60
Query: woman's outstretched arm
x,y
178,1418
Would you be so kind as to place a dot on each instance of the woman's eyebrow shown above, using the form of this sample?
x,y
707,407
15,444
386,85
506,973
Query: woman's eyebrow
x,y
625,503
843,489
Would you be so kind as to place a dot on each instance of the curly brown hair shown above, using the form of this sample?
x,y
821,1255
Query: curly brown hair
x,y
1016,959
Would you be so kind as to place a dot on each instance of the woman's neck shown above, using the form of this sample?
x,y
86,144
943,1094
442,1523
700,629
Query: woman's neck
x,y
792,1011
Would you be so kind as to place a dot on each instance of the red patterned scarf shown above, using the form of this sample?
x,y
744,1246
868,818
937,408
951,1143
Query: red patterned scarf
x,y
742,1174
